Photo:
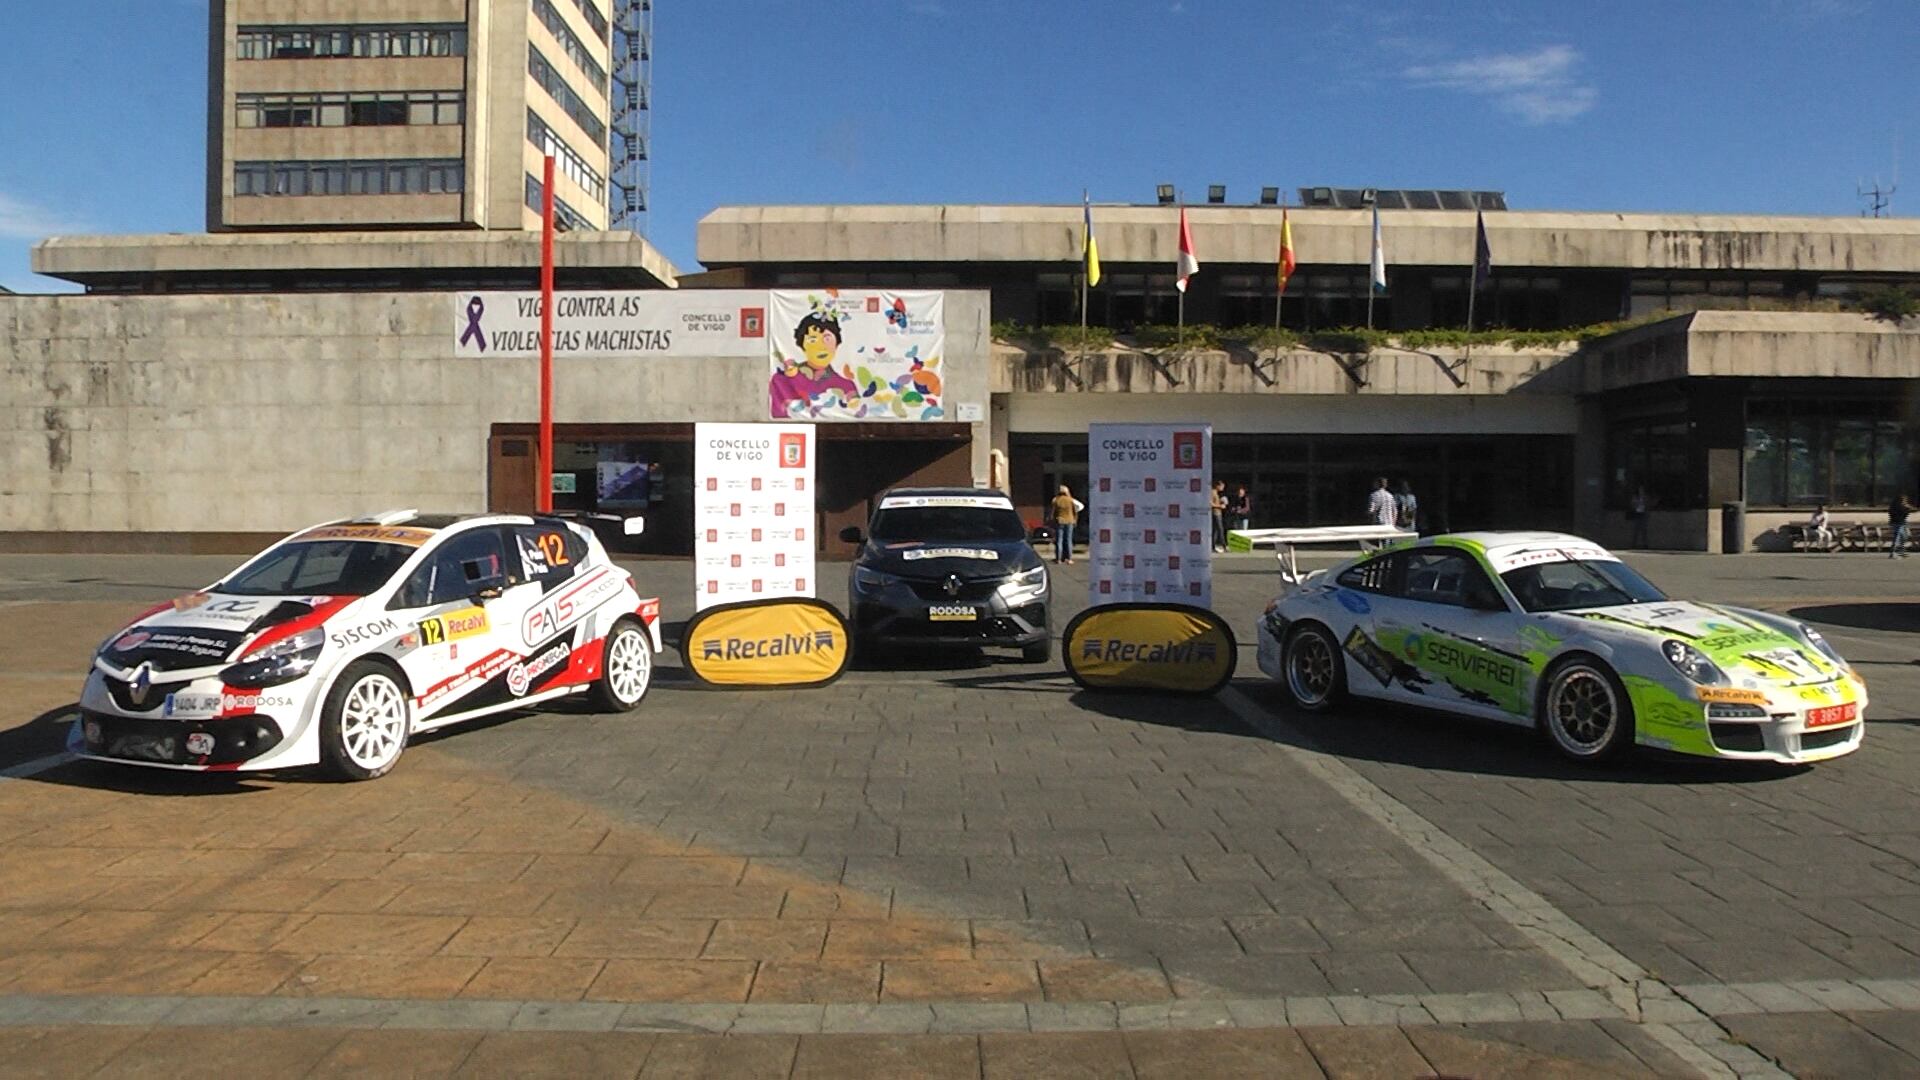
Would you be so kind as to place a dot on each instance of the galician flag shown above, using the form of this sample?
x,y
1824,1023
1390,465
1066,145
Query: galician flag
x,y
1286,249
1187,265
1379,267
1091,254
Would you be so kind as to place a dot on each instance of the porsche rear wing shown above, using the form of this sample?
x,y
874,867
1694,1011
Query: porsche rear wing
x,y
1285,541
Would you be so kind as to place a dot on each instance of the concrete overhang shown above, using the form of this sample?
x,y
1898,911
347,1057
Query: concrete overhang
x,y
811,235
1753,344
183,259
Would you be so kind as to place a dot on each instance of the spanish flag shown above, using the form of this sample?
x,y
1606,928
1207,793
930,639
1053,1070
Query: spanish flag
x,y
1286,249
1091,250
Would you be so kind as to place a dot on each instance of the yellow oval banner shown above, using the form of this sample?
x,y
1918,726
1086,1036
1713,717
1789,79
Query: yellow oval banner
x,y
1169,647
791,642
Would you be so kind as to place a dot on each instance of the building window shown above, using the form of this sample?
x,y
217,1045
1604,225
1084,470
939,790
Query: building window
x,y
350,42
565,218
1650,454
418,176
570,43
565,158
1843,453
360,109
594,18
556,87
1652,295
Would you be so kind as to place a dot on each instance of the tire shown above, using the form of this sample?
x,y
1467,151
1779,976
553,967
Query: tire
x,y
365,722
1316,672
1038,653
626,669
1585,712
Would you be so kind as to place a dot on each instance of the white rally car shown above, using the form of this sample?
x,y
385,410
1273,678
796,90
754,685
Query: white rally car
x,y
335,645
1555,632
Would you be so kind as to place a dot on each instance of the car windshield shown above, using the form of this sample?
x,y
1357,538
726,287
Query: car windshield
x,y
1579,583
319,567
975,523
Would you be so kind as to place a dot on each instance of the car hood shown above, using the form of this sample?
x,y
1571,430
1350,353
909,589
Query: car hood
x,y
200,629
969,560
1751,652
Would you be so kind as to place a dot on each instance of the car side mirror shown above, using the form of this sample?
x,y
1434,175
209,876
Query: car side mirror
x,y
852,534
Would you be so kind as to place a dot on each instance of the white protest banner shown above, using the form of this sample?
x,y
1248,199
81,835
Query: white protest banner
x,y
657,322
753,512
1148,523
857,354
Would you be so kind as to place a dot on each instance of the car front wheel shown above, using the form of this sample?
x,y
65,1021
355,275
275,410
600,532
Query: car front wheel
x,y
1585,711
626,670
1316,674
364,725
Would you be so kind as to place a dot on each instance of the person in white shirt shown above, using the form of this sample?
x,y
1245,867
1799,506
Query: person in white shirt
x,y
1382,507
1822,526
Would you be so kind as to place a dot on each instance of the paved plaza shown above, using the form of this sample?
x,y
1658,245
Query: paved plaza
x,y
971,870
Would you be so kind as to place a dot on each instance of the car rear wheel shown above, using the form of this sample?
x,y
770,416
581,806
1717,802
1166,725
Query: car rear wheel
x,y
364,725
1585,711
1316,674
626,670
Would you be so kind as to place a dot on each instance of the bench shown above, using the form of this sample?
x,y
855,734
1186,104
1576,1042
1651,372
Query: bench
x,y
1847,536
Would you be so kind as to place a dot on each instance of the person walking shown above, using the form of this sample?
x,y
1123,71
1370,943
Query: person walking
x,y
1408,507
1219,504
1241,509
1638,512
1897,517
1065,512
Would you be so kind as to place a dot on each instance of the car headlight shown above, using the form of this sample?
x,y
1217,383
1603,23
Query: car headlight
x,y
1692,663
866,580
1026,582
283,661
1819,641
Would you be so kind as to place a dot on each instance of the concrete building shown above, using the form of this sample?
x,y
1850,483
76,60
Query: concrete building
x,y
1779,409
358,114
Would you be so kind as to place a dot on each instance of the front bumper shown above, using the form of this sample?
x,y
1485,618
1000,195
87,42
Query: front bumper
x,y
185,744
896,613
1785,735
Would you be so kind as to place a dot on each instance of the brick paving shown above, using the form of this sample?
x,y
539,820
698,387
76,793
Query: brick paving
x,y
1006,875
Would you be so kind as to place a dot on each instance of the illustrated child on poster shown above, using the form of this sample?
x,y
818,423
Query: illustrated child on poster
x,y
805,387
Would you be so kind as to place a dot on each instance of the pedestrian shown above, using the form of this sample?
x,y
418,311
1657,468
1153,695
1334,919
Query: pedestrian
x,y
1408,507
1219,504
1065,512
1897,517
1822,528
1638,513
1242,509
1382,509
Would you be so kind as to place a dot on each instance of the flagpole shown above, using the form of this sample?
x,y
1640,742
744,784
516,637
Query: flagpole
x,y
1280,298
1086,236
1177,286
1473,293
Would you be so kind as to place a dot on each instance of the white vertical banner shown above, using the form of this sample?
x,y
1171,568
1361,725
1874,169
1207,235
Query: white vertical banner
x,y
1148,524
753,512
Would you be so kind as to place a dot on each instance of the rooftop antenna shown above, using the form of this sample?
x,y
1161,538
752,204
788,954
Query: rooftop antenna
x,y
1879,200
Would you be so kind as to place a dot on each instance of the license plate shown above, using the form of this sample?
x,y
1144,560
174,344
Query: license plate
x,y
1832,714
952,613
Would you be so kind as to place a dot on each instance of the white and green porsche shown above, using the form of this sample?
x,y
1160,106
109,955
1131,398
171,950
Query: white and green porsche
x,y
1555,632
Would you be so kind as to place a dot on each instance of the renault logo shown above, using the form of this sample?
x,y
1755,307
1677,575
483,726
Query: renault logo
x,y
142,682
953,585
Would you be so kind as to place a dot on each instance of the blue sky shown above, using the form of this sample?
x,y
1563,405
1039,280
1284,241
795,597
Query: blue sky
x,y
1762,106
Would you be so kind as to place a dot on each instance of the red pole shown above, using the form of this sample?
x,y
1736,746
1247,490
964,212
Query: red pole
x,y
546,340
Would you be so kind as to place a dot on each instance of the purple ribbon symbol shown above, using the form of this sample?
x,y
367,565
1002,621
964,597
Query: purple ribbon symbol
x,y
476,307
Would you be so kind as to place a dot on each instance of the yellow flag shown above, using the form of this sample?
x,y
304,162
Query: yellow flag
x,y
1092,252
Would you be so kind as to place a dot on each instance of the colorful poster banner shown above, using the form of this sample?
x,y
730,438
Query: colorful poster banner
x,y
1149,523
753,535
657,322
857,354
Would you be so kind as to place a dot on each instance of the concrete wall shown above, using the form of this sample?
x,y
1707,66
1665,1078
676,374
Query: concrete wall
x,y
1384,373
211,414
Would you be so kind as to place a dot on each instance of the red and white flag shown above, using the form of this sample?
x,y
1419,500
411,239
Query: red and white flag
x,y
1187,265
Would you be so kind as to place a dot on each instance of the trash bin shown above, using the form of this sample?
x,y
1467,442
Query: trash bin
x,y
1733,528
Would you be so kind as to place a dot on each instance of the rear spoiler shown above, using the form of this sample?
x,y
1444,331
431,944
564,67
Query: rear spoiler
x,y
1284,541
630,526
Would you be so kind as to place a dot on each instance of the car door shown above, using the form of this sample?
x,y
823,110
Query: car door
x,y
1451,636
1358,595
466,606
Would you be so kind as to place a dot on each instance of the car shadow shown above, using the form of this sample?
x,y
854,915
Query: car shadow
x,y
1393,734
1183,712
1899,617
44,734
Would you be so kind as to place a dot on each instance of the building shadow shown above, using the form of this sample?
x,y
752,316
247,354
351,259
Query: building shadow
x,y
1896,616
